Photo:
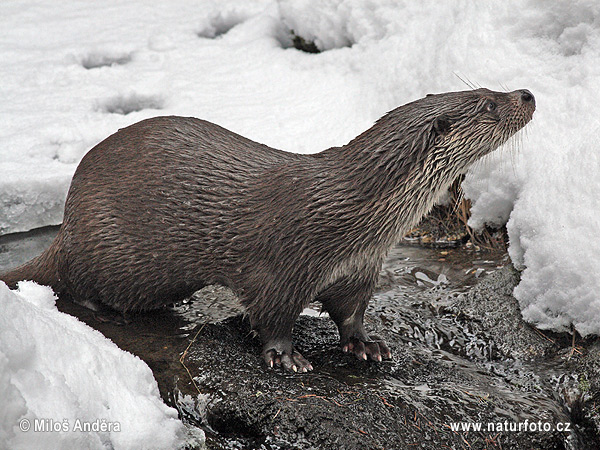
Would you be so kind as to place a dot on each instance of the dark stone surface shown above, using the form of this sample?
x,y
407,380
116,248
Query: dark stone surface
x,y
407,403
346,403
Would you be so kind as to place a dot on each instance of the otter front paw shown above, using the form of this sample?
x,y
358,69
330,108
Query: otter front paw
x,y
289,359
375,350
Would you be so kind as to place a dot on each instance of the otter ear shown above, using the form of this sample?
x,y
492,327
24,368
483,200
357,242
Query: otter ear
x,y
441,125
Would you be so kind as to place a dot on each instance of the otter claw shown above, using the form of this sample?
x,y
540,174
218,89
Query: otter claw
x,y
290,363
374,350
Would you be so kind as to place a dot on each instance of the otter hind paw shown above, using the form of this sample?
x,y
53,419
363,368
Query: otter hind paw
x,y
375,350
290,361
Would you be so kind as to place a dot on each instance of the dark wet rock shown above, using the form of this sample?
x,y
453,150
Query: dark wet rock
x,y
412,401
583,397
492,305
345,403
569,369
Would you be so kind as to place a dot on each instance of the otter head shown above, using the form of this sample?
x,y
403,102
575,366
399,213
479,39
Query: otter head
x,y
468,125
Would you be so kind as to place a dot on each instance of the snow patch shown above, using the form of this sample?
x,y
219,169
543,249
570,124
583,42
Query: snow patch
x,y
221,23
96,60
54,368
126,104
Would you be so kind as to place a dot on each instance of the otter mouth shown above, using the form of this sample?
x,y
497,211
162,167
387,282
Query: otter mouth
x,y
513,111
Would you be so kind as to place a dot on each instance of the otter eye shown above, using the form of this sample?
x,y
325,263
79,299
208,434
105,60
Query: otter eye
x,y
490,106
441,125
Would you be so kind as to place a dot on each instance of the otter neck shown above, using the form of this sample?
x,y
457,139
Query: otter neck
x,y
394,181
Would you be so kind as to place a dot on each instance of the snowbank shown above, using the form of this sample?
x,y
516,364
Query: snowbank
x,y
550,193
55,371
74,79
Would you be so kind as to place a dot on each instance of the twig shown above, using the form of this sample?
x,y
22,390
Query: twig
x,y
184,354
385,402
543,335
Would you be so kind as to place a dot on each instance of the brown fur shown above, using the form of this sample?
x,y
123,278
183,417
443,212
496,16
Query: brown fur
x,y
170,204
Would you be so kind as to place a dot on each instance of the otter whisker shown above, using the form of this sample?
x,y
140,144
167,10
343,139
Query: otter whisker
x,y
459,199
466,81
514,145
484,163
504,86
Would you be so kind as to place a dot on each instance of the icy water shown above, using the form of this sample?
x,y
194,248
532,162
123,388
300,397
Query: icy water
x,y
414,301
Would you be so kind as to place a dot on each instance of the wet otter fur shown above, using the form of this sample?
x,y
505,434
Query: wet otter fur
x,y
171,204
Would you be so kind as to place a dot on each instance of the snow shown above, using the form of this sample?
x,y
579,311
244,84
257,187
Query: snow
x,y
55,369
77,71
549,196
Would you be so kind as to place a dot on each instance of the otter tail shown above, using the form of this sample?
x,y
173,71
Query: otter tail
x,y
42,270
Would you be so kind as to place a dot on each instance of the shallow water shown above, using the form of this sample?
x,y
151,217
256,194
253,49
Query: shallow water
x,y
15,249
417,289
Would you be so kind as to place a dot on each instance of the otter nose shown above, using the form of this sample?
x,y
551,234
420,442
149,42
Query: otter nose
x,y
526,96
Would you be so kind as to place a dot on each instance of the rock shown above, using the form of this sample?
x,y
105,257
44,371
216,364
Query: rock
x,y
411,402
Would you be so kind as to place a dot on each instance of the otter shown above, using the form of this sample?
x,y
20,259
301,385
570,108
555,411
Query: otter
x,y
171,204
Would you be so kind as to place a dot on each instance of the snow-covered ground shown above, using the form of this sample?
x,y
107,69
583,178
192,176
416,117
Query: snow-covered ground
x,y
65,386
74,72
